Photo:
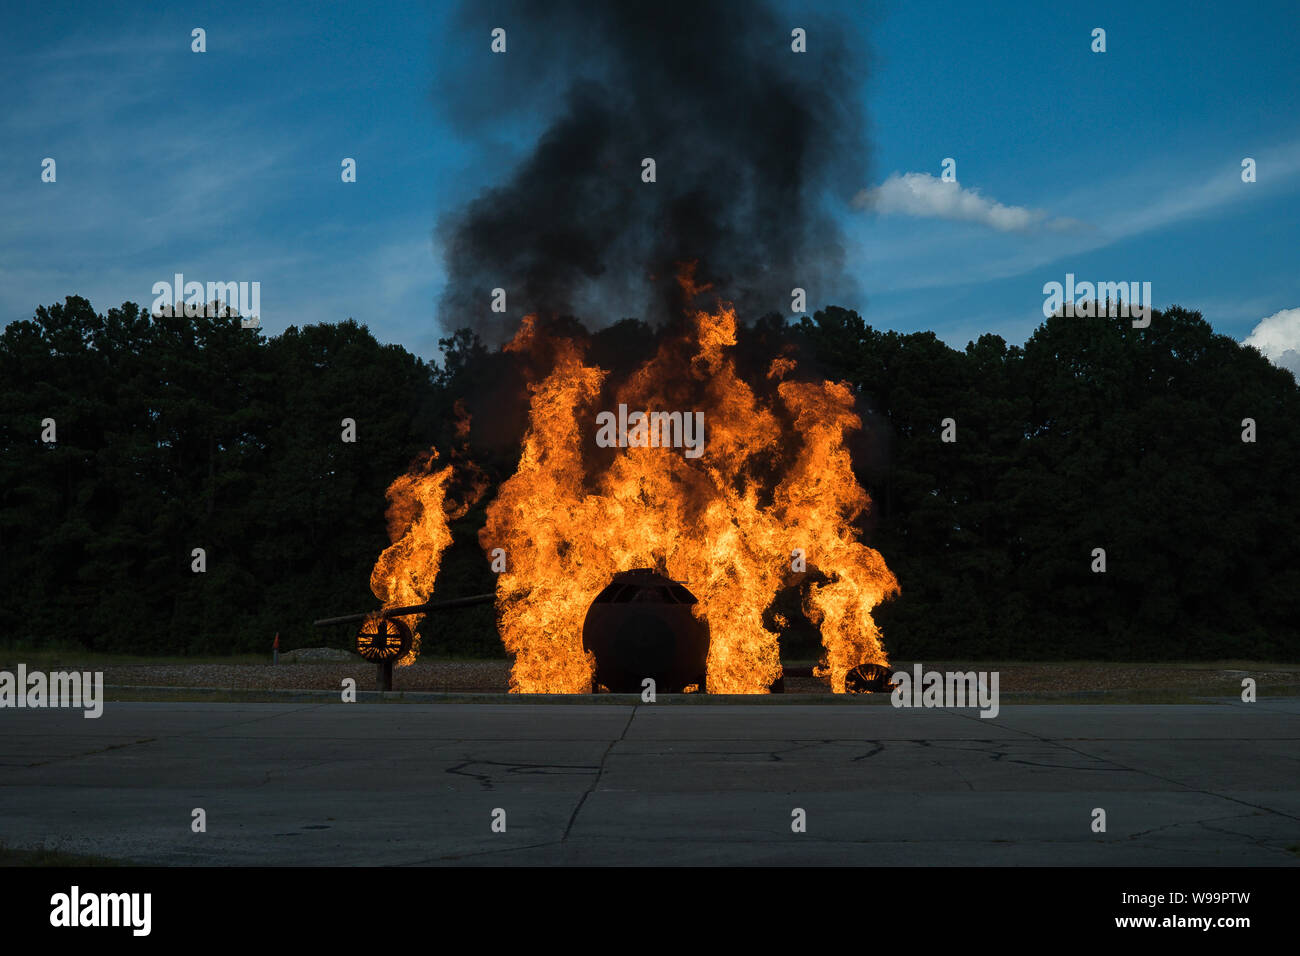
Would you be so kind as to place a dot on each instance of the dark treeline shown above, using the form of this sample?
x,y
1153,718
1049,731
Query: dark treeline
x,y
183,433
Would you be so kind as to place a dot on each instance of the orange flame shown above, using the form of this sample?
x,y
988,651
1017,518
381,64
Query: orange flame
x,y
417,528
774,477
419,511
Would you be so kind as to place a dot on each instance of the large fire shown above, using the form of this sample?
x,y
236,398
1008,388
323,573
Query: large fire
x,y
768,502
774,484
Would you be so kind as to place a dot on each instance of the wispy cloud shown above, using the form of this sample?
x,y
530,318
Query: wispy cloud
x,y
1144,201
1176,202
159,170
924,196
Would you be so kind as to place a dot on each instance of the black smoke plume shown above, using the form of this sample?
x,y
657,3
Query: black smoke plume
x,y
754,145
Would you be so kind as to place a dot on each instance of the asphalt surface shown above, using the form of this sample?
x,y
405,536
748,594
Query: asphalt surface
x,y
343,784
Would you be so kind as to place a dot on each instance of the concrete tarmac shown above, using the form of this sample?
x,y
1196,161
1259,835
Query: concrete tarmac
x,y
1213,784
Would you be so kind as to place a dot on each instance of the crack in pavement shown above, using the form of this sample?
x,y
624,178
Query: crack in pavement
x,y
1186,823
515,767
464,856
998,751
992,748
252,720
599,773
149,740
1258,841
870,753
1146,773
91,753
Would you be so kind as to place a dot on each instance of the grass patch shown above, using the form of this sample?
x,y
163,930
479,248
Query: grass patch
x,y
41,855
82,659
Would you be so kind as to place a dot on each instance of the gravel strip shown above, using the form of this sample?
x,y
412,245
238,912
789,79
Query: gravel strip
x,y
494,676
423,675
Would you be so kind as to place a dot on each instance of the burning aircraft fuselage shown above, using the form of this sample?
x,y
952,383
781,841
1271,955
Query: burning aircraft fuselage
x,y
643,626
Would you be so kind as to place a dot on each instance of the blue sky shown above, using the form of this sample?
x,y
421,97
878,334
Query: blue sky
x,y
1117,166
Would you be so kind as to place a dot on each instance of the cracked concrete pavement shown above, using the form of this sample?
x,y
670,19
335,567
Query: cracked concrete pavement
x,y
1214,784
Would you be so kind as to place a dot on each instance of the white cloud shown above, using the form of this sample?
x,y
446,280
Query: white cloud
x,y
920,194
1278,337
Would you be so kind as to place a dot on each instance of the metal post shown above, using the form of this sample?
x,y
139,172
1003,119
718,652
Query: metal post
x,y
384,668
